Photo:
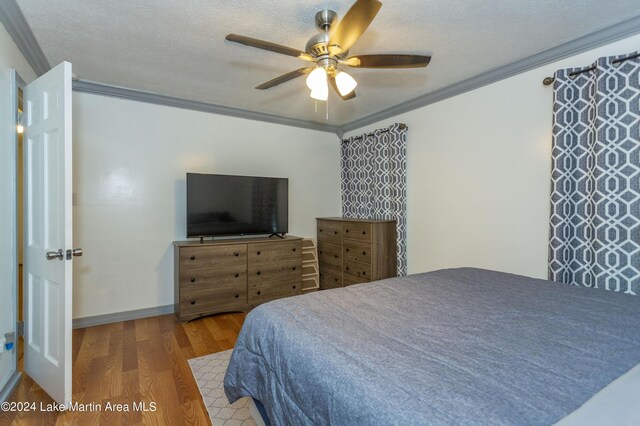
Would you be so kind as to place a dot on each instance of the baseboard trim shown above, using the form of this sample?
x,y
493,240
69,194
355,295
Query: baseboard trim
x,y
123,316
11,385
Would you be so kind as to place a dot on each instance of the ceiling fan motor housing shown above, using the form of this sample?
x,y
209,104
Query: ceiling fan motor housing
x,y
318,44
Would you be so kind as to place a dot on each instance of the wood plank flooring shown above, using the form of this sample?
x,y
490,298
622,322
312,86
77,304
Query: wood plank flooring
x,y
135,361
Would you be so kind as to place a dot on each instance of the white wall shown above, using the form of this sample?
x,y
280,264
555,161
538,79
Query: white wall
x,y
10,57
479,173
130,160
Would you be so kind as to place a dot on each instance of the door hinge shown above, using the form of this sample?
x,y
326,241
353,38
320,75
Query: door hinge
x,y
20,328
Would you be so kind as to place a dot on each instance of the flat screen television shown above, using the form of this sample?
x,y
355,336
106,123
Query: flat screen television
x,y
220,205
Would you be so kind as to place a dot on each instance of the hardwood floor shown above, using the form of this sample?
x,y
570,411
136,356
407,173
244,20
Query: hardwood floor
x,y
132,362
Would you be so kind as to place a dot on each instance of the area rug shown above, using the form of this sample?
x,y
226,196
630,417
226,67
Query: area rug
x,y
209,373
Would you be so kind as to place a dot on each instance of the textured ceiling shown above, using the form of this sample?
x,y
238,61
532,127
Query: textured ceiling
x,y
177,48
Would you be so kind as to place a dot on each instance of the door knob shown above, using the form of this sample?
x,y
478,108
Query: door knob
x,y
74,252
51,255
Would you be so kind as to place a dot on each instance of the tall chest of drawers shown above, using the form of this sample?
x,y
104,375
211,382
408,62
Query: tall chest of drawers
x,y
235,274
353,251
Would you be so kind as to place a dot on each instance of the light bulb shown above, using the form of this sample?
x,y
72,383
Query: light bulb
x,y
346,84
317,78
321,92
20,127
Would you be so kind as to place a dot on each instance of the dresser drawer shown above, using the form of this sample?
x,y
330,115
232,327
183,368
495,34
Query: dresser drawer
x,y
354,250
283,270
330,255
350,279
358,231
214,298
274,251
196,279
265,292
358,269
211,257
330,278
330,231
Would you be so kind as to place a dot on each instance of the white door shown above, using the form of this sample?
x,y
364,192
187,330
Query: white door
x,y
47,232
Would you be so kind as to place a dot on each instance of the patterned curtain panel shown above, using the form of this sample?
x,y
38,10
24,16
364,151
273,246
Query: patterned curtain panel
x,y
595,199
374,180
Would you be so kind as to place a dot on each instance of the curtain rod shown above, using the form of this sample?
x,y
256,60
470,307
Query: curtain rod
x,y
401,126
549,80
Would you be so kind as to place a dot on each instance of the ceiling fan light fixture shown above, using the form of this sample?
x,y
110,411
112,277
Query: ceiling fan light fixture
x,y
317,79
321,93
346,84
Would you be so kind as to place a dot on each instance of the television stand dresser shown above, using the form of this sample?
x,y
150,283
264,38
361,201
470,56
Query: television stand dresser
x,y
234,274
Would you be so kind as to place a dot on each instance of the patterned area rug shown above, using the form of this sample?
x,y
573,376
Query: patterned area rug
x,y
209,373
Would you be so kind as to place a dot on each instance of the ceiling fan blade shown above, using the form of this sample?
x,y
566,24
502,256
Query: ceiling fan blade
x,y
332,82
387,61
267,45
353,25
284,78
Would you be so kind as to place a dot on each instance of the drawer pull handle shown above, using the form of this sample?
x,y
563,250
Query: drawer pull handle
x,y
258,292
236,254
364,252
193,302
320,229
364,233
335,232
237,296
258,253
347,231
294,287
347,268
347,250
193,280
336,256
294,249
192,258
237,275
364,272
294,268
320,251
258,273
336,280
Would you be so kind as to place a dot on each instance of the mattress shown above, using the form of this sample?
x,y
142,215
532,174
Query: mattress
x,y
458,346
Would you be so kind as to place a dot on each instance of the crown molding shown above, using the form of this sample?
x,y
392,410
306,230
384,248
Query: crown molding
x,y
18,28
92,87
596,39
16,24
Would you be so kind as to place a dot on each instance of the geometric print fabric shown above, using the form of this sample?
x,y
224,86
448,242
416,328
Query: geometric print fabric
x,y
374,180
595,184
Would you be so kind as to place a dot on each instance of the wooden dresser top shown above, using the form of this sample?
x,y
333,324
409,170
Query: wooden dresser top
x,y
353,219
227,241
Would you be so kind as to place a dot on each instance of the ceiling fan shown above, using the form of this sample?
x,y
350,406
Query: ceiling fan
x,y
329,49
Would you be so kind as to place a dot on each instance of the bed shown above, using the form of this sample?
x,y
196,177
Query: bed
x,y
457,346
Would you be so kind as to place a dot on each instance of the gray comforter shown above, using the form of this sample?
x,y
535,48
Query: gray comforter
x,y
459,346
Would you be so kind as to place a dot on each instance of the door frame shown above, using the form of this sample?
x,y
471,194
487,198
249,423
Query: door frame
x,y
19,84
16,83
